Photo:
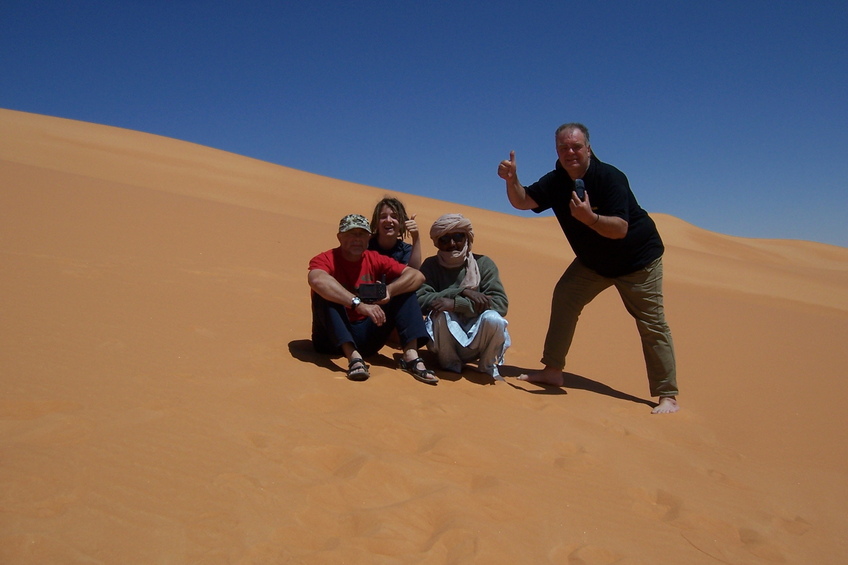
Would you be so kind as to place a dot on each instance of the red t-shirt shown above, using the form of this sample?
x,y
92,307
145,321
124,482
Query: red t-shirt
x,y
371,267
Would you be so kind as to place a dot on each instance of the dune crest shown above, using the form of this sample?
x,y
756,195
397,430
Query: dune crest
x,y
161,402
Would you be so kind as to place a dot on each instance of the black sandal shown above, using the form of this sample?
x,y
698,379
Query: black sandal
x,y
357,370
423,375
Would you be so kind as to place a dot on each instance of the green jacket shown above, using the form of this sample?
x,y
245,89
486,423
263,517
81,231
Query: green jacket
x,y
444,283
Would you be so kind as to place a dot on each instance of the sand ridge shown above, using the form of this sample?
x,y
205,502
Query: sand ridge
x,y
161,403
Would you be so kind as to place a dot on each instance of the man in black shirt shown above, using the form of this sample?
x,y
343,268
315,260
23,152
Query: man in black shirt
x,y
615,243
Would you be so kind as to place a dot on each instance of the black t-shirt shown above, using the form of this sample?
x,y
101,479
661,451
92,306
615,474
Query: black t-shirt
x,y
400,251
610,195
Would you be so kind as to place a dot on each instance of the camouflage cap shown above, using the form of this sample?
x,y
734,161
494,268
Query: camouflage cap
x,y
354,221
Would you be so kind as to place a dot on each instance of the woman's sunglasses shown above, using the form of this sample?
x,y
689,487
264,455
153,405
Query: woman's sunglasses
x,y
455,237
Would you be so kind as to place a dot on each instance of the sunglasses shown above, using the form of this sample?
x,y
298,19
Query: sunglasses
x,y
455,237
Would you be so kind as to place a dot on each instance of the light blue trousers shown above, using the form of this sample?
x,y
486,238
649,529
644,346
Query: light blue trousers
x,y
456,340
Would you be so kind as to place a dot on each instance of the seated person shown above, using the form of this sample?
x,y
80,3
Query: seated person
x,y
389,226
344,324
464,300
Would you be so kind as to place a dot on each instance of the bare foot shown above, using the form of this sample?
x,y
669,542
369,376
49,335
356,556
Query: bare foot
x,y
547,376
667,405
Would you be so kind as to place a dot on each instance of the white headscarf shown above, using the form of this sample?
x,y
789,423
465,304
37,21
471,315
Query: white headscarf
x,y
455,223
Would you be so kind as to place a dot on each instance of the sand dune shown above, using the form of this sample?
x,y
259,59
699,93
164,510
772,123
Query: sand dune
x,y
161,403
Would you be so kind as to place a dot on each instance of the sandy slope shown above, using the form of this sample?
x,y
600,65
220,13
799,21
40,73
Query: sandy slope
x,y
161,404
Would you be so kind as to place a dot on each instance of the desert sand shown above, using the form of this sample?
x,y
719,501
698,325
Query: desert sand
x,y
161,402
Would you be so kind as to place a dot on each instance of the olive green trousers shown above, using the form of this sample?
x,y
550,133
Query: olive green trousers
x,y
642,295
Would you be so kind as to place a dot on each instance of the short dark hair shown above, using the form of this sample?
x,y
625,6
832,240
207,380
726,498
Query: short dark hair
x,y
397,207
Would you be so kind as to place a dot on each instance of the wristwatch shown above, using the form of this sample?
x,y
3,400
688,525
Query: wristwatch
x,y
355,301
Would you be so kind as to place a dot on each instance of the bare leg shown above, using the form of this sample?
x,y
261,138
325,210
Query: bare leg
x,y
416,369
667,405
358,372
350,351
410,353
547,376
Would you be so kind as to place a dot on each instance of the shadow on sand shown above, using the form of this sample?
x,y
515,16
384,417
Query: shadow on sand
x,y
302,350
572,381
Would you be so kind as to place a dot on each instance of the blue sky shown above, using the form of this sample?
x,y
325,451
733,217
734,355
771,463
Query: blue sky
x,y
729,115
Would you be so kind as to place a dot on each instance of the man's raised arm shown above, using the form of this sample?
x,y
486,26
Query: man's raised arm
x,y
508,171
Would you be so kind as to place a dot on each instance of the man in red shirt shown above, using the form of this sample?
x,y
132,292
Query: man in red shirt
x,y
343,323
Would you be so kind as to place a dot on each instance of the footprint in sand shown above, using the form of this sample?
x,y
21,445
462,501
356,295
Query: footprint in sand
x,y
728,544
761,546
458,451
573,457
592,555
428,442
260,441
722,478
796,526
327,460
661,505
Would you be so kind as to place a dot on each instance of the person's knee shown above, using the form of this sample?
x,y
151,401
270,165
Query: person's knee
x,y
440,322
439,318
568,304
491,319
654,329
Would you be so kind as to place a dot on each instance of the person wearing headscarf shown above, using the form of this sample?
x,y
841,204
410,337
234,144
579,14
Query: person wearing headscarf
x,y
464,300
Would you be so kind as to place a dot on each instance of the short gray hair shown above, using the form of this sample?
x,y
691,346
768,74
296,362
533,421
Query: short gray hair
x,y
573,125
